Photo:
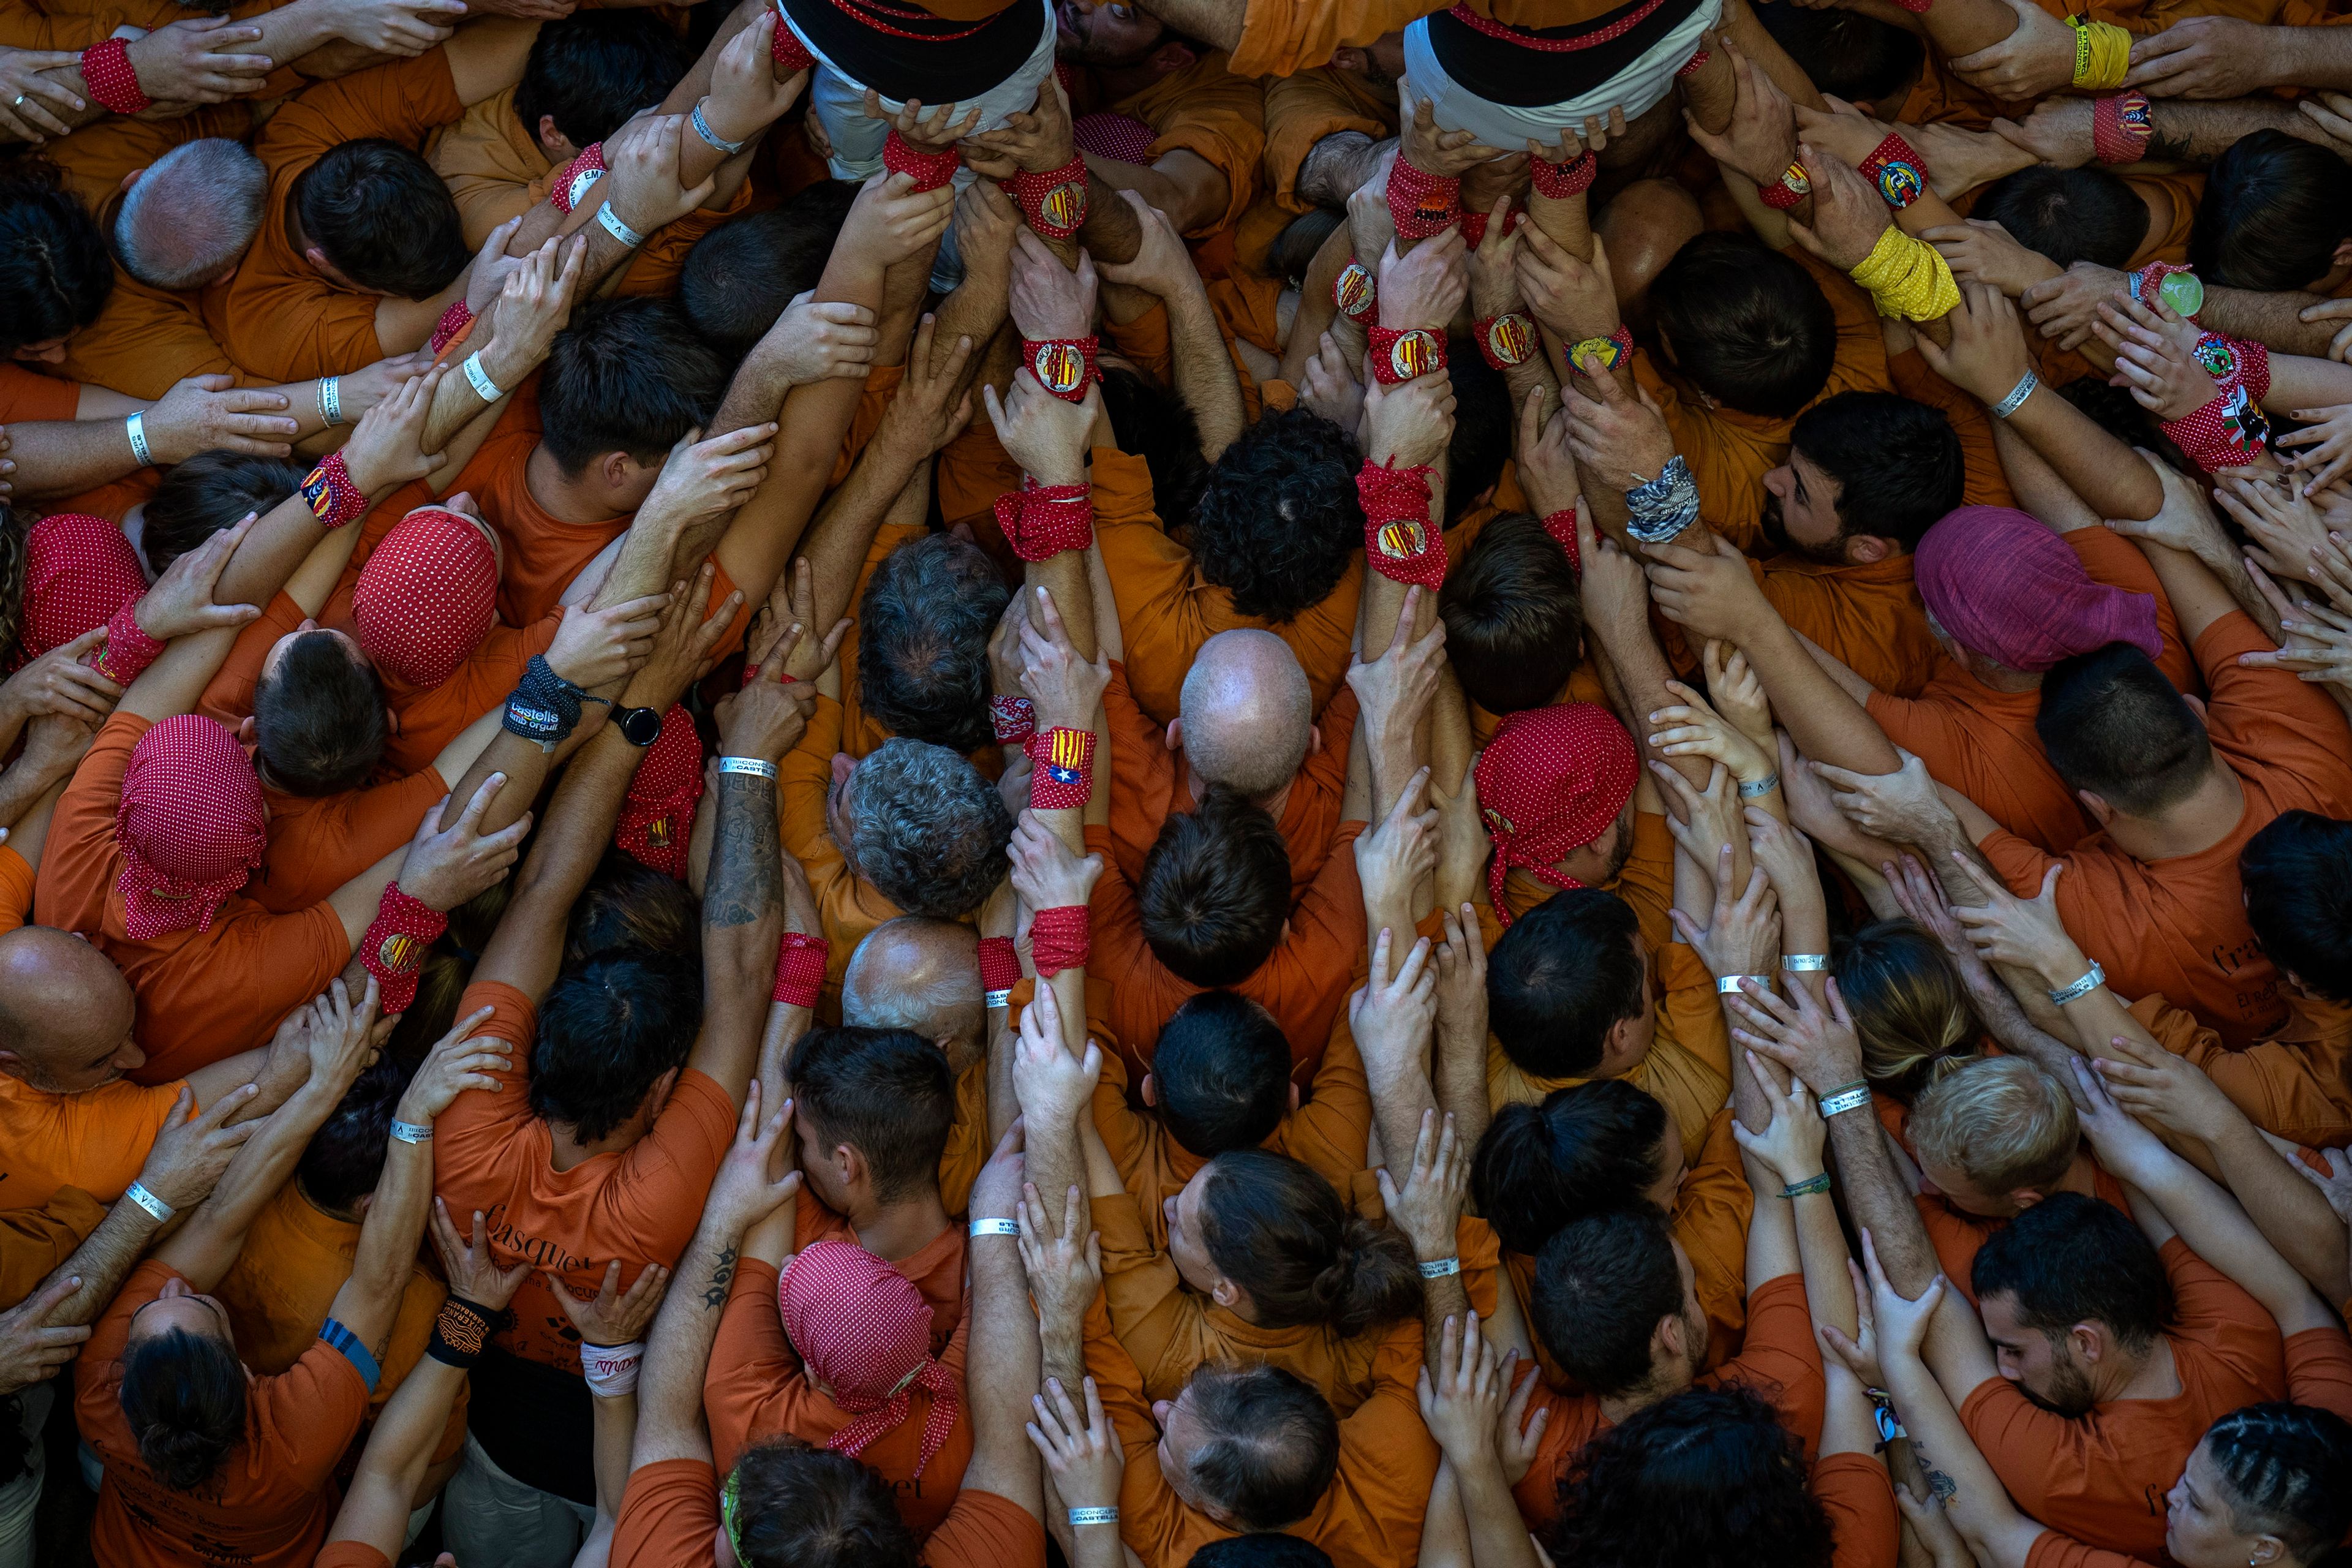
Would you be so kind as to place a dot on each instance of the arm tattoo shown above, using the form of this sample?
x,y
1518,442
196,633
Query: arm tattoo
x,y
714,1295
745,870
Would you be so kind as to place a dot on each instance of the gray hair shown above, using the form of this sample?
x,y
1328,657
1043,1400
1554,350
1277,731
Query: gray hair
x,y
189,217
916,974
929,831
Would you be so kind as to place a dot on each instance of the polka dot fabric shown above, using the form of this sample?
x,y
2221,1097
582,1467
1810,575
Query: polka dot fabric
x,y
1119,136
1549,783
427,598
191,825
78,571
659,813
865,1333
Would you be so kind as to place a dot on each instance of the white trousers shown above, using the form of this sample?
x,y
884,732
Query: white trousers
x,y
1638,88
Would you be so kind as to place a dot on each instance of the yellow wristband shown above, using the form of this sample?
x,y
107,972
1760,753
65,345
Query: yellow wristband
x,y
1906,278
2102,54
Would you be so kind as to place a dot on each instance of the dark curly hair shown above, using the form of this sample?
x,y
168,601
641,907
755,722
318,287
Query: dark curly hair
x,y
1278,516
1708,1478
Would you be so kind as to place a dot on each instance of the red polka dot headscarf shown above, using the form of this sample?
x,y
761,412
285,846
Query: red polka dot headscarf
x,y
427,598
191,825
1549,783
78,571
658,816
865,1333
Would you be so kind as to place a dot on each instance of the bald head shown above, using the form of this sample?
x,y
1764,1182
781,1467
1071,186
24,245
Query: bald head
x,y
66,1011
1247,712
191,214
919,973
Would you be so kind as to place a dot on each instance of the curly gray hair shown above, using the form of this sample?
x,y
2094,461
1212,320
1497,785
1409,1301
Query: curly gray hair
x,y
929,831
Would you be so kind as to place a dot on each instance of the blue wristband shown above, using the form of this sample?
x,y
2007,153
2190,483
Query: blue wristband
x,y
353,1350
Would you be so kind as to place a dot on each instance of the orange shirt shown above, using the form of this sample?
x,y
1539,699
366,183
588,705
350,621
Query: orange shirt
x,y
2179,925
1167,611
430,719
1854,1490
1868,617
25,396
1302,109
2101,1478
277,317
638,1204
17,882
1206,110
1303,982
756,1388
847,905
269,1503
1780,1362
1730,452
1958,1235
1981,742
317,843
1372,1512
202,994
1148,786
2292,1085
33,1241
669,1519
95,1140
282,1286
494,169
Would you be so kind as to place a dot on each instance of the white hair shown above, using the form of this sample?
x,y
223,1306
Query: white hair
x,y
189,217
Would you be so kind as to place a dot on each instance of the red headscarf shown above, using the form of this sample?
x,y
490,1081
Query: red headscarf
x,y
191,825
427,598
865,1333
2010,589
659,814
78,571
1549,783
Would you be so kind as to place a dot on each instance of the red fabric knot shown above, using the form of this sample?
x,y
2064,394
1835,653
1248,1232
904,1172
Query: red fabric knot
x,y
453,322
800,969
999,964
1054,203
113,81
865,1332
394,948
1119,137
1063,366
1064,772
1561,526
2007,587
1558,181
1473,225
333,499
572,182
1060,938
129,649
1014,720
190,824
1039,521
427,598
1353,292
2121,124
1694,65
931,170
787,50
657,813
1551,781
1405,353
1422,204
1400,541
78,571
1505,340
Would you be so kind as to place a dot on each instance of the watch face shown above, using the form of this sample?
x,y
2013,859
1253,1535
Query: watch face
x,y
640,726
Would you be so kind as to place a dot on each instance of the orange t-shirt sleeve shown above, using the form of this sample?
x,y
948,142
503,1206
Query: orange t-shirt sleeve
x,y
77,863
1781,1360
33,1241
752,1363
984,1530
670,1517
2112,559
1218,117
2273,719
1283,37
399,103
27,396
2319,1369
17,884
1854,1490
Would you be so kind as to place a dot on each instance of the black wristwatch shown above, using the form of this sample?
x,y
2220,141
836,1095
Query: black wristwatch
x,y
640,726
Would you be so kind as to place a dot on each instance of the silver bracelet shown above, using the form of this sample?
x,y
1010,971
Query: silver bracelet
x,y
753,766
998,998
2017,397
2080,988
479,379
1757,789
1847,1100
616,228
1079,1516
1662,508
994,1228
1729,985
136,428
1442,1268
411,1132
1805,962
331,399
160,1211
702,129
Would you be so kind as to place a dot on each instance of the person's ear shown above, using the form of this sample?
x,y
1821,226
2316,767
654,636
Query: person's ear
x,y
1314,740
613,468
1171,57
1224,1292
245,731
2088,1343
1174,739
391,719
1150,1091
1868,550
131,179
2025,1197
2101,812
1350,60
2197,705
1666,1341
1294,1094
2341,256
550,138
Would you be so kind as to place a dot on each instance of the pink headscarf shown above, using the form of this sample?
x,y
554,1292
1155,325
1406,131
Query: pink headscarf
x,y
1549,783
2006,587
865,1333
191,825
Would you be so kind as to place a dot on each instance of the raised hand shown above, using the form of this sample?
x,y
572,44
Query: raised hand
x,y
448,865
387,448
1791,1146
59,683
1391,1019
1427,285
1428,1209
1065,689
1430,150
818,340
757,1175
683,648
1462,1397
459,1061
181,601
469,1264
1816,1043
1083,1457
190,1152
932,129
613,1316
1045,873
192,62
1848,214
1577,300
1053,1086
32,1348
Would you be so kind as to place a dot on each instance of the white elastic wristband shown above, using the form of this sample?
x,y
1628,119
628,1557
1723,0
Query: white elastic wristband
x,y
1441,1268
995,1228
616,228
1085,1516
156,1207
135,427
753,766
479,379
331,399
1729,985
612,1369
2017,397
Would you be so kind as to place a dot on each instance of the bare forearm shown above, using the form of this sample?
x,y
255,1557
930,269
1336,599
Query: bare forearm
x,y
1875,1197
103,1262
2107,475
61,457
2274,321
2182,131
2293,1214
1204,371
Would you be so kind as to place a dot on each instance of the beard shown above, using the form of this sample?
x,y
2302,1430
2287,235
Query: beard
x,y
1774,527
2070,1391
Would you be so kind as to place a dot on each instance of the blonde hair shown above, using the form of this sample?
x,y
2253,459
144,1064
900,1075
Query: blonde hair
x,y
2001,1121
1909,1007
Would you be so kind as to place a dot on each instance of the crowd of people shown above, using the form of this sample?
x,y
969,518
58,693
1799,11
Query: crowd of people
x,y
1176,783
